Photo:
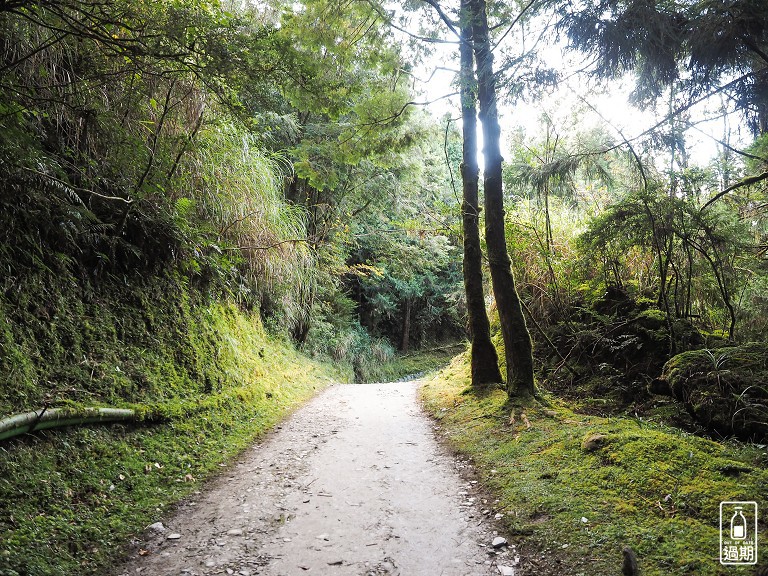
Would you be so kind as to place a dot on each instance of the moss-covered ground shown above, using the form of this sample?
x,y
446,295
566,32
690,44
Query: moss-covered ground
x,y
71,499
575,489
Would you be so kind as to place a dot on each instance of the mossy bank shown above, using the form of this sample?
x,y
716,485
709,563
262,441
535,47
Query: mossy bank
x,y
576,489
205,369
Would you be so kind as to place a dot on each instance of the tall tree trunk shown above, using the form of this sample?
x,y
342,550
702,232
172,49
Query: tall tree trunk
x,y
483,357
405,340
517,339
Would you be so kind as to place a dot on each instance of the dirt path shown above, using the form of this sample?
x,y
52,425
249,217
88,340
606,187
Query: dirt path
x,y
354,483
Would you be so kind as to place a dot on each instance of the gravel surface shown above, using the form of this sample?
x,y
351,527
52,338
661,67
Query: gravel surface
x,y
354,483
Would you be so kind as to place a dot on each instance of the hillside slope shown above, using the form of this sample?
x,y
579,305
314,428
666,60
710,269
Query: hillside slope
x,y
205,373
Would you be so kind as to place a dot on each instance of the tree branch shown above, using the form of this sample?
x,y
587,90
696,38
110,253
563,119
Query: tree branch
x,y
728,146
448,160
514,22
405,106
269,246
749,180
408,33
444,17
127,201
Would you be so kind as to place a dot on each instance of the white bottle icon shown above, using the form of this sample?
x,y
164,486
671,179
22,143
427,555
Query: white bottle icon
x,y
738,525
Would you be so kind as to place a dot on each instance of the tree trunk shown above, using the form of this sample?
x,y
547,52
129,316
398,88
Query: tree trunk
x,y
405,341
517,339
484,360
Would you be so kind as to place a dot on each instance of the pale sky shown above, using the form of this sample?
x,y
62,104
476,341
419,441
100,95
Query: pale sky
x,y
613,106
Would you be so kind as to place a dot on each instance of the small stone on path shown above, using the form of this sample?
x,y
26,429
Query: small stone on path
x,y
498,542
174,536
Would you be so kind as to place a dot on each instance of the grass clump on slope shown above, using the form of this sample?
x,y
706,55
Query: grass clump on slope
x,y
575,489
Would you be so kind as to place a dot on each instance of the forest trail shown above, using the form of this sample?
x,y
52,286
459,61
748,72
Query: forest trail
x,y
354,483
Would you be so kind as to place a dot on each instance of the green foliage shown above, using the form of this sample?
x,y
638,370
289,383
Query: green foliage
x,y
349,344
560,166
548,271
201,366
399,274
621,270
140,143
414,364
694,256
126,341
710,40
236,193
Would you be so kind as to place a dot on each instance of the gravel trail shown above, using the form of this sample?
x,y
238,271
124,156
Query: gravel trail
x,y
354,483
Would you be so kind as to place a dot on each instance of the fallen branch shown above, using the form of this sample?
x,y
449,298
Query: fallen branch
x,y
59,417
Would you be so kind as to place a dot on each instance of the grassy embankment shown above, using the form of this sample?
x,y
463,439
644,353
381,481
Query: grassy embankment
x,y
413,364
572,500
205,372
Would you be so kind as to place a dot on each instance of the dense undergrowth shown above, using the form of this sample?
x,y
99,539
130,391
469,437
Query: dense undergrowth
x,y
575,489
70,499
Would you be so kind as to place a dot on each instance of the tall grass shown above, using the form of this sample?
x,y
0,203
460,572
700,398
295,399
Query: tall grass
x,y
236,187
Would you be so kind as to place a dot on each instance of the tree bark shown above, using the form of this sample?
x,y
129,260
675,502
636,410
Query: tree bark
x,y
484,360
405,340
517,339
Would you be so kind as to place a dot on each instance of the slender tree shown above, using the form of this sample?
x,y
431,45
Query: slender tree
x,y
517,339
483,357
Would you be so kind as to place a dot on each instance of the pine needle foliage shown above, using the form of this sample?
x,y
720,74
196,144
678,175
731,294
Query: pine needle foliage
x,y
702,46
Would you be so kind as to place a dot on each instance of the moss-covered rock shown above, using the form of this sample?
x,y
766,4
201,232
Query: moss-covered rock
x,y
617,346
593,441
725,389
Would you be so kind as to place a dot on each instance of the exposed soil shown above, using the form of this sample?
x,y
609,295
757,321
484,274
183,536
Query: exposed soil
x,y
354,483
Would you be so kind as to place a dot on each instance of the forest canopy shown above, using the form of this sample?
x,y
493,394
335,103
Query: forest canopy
x,y
211,210
278,155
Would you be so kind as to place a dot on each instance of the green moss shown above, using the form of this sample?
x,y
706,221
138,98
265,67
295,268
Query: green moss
x,y
644,485
723,388
204,375
69,500
652,318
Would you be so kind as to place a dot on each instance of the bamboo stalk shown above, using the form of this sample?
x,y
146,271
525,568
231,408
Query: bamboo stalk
x,y
59,417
